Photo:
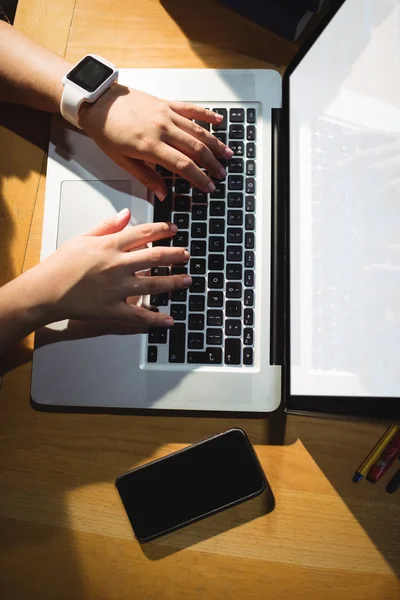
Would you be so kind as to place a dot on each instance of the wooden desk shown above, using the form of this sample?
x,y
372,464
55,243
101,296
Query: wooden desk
x,y
63,532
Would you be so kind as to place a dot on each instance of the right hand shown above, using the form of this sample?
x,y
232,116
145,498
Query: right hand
x,y
93,275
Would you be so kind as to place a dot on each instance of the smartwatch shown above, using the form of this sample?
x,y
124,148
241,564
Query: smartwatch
x,y
86,82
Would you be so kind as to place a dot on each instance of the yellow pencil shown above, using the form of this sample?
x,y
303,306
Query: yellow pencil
x,y
375,452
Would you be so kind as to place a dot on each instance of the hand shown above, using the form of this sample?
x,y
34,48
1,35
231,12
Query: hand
x,y
94,274
134,128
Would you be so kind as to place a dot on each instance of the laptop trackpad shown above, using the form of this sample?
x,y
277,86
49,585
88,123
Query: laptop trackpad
x,y
83,204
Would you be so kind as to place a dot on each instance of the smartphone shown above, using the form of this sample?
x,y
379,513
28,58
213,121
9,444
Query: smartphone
x,y
191,484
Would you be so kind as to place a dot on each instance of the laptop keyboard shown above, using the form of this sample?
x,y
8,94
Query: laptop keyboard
x,y
215,318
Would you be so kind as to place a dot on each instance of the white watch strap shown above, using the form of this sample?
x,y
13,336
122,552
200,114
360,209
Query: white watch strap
x,y
71,101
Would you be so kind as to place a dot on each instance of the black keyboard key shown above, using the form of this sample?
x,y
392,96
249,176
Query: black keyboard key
x,y
236,165
234,235
182,186
216,243
181,239
177,341
221,126
251,115
248,356
216,262
199,212
232,351
198,285
249,259
235,200
234,253
217,226
162,210
152,354
221,136
197,266
248,297
248,316
237,148
215,281
233,289
157,335
160,271
215,299
251,150
233,327
248,336
199,230
235,182
182,203
195,340
198,196
236,115
217,208
233,308
236,132
214,337
181,220
234,271
235,217
250,186
179,296
249,222
220,190
251,168
178,270
178,312
163,171
249,241
198,248
196,322
204,124
215,318
250,204
163,242
251,133
249,278
196,303
159,300
211,356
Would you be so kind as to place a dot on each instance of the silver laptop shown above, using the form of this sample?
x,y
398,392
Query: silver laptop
x,y
233,326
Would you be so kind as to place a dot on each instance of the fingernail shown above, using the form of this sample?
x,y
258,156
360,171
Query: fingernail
x,y
122,213
186,255
187,280
169,322
222,173
228,152
173,228
160,195
210,188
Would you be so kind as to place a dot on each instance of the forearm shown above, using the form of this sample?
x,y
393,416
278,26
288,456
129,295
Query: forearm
x,y
29,74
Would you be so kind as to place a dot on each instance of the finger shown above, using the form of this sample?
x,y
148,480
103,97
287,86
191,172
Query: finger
x,y
145,174
197,131
141,316
191,111
177,162
196,150
158,256
112,225
135,238
158,285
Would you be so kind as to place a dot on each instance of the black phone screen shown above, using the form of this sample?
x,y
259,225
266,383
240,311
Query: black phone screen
x,y
190,484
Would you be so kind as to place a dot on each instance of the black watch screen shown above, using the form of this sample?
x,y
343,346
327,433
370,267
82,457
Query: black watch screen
x,y
90,73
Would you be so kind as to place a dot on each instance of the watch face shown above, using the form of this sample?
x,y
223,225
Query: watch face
x,y
89,73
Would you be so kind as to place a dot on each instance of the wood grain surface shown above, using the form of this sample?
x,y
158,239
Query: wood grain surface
x,y
63,531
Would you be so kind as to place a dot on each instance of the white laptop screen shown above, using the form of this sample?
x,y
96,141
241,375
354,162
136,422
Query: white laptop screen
x,y
345,206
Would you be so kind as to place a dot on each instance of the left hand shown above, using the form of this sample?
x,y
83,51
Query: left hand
x,y
134,128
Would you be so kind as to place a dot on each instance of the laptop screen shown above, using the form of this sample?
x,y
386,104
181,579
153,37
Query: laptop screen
x,y
344,110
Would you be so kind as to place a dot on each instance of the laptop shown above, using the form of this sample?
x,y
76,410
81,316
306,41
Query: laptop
x,y
293,257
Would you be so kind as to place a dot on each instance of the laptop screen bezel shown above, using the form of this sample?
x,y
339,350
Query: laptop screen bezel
x,y
367,407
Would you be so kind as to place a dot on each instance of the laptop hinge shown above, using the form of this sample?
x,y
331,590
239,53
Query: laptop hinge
x,y
278,245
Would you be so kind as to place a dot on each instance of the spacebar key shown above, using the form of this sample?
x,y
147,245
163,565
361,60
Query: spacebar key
x,y
177,335
212,356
